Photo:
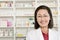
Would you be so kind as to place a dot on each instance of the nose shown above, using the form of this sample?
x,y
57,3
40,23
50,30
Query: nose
x,y
42,18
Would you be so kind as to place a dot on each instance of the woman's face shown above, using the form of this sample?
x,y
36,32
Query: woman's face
x,y
43,17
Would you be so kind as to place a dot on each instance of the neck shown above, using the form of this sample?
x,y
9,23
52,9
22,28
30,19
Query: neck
x,y
44,30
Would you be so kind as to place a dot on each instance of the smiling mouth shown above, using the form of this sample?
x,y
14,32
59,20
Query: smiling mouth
x,y
42,22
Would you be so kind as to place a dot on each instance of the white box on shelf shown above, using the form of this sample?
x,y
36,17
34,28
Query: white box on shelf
x,y
1,33
3,23
6,33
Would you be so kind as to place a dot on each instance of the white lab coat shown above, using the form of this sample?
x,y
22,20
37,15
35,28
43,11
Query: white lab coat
x,y
37,35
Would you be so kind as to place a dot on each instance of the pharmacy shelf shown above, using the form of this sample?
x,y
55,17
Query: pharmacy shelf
x,y
46,1
32,2
6,37
6,16
24,27
6,0
25,0
6,7
6,27
3,2
25,16
21,37
25,8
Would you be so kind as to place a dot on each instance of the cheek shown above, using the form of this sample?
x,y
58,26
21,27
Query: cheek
x,y
47,19
38,19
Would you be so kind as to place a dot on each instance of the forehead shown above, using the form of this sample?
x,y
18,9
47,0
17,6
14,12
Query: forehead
x,y
42,11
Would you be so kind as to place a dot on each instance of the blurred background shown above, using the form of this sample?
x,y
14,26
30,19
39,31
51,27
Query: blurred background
x,y
17,17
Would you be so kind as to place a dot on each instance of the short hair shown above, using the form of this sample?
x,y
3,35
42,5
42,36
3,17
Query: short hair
x,y
36,25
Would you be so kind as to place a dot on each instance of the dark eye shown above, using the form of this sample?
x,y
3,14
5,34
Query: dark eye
x,y
39,16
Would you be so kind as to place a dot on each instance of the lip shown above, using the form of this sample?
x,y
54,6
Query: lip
x,y
43,22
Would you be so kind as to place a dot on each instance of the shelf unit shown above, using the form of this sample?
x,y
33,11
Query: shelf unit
x,y
6,27
18,17
6,20
24,18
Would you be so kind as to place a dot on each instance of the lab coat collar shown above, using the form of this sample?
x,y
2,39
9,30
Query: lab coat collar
x,y
51,35
41,35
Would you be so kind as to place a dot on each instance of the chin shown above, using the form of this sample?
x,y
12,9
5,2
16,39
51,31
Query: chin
x,y
43,25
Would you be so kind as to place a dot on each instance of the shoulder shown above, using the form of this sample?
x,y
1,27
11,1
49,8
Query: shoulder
x,y
53,32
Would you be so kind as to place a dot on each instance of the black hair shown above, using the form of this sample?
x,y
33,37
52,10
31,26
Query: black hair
x,y
50,25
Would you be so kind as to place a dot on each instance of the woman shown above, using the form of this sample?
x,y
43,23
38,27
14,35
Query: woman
x,y
43,25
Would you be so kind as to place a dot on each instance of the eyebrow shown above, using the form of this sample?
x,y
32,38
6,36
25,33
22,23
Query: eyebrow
x,y
43,14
